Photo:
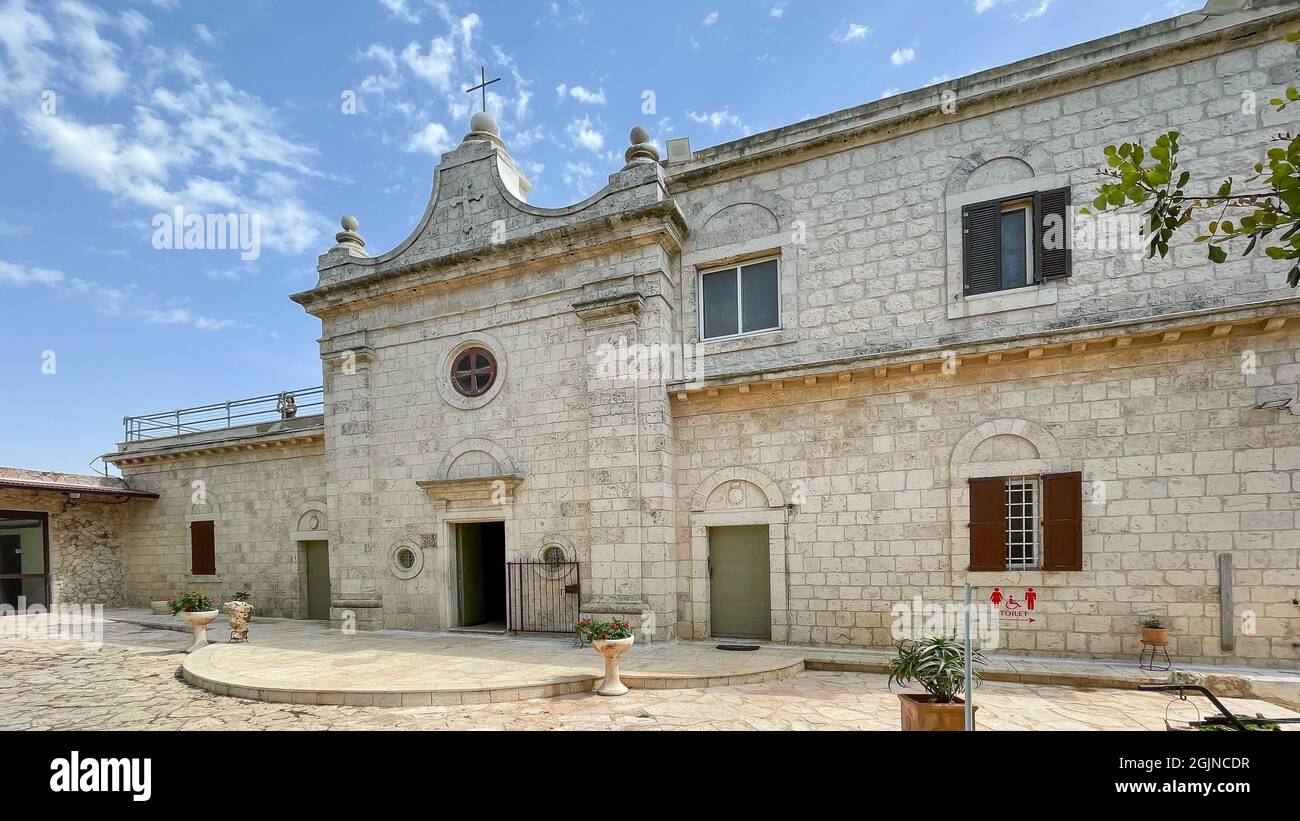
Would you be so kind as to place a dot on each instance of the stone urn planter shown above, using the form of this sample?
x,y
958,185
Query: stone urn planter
x,y
919,711
611,639
199,620
160,608
612,650
240,612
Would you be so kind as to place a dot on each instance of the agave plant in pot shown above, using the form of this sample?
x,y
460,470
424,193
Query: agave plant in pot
x,y
611,639
937,664
196,610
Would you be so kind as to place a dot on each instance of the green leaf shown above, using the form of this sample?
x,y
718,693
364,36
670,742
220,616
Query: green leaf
x,y
1217,254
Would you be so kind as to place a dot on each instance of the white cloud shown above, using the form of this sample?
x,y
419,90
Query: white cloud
x,y
204,33
1037,11
778,9
79,32
1022,14
105,299
400,10
902,56
432,139
578,174
710,18
717,119
582,132
851,32
435,66
581,94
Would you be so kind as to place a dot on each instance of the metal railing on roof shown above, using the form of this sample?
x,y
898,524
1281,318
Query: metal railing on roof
x,y
223,415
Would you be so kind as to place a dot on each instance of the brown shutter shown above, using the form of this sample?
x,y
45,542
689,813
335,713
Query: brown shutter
x,y
981,225
988,524
203,549
1063,521
1053,212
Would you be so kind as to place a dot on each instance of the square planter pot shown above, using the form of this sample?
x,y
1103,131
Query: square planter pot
x,y
920,712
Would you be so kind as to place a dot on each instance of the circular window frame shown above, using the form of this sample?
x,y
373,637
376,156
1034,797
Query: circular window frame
x,y
446,382
395,562
473,353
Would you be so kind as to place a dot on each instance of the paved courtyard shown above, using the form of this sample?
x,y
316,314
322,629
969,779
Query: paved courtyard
x,y
133,682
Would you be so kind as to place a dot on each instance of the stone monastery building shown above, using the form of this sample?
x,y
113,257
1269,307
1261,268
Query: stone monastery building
x,y
769,390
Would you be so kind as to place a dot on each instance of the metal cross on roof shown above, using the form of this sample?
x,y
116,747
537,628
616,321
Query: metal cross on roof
x,y
484,82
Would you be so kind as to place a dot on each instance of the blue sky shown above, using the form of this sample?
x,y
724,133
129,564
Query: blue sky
x,y
114,112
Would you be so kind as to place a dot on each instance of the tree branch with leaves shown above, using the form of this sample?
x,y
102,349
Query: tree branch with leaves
x,y
1264,210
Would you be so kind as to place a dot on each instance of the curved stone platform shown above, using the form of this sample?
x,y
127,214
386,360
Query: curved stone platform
x,y
312,665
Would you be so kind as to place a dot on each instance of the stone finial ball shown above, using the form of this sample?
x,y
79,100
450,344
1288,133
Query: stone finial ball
x,y
349,223
482,121
639,135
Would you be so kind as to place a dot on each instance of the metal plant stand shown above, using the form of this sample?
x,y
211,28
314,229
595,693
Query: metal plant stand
x,y
1148,660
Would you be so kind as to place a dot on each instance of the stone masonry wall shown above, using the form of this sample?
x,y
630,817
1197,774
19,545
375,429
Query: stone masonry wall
x,y
876,263
1190,470
256,498
87,563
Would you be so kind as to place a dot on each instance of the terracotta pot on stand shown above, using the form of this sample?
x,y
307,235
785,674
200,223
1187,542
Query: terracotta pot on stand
x,y
199,620
1155,636
612,649
920,712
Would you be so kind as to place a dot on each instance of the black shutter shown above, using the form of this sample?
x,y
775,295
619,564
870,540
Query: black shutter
x,y
1052,210
981,225
203,549
988,524
1063,521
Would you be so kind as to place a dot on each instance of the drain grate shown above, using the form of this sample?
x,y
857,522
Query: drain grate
x,y
739,648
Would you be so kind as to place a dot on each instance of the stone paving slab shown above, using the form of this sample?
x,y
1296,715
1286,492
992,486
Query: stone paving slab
x,y
131,683
306,663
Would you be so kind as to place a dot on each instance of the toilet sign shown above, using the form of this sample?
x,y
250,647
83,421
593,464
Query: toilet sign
x,y
1012,608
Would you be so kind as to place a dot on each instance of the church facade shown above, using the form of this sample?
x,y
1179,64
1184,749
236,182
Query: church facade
x,y
776,388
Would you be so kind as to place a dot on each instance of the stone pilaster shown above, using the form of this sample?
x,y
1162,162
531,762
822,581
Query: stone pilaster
x,y
350,483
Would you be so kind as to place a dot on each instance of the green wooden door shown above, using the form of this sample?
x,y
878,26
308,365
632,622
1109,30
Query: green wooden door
x,y
469,555
740,582
318,579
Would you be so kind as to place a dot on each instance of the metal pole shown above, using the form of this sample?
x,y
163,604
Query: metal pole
x,y
970,705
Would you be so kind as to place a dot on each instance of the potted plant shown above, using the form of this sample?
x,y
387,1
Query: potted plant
x,y
241,613
611,639
937,664
196,610
1154,632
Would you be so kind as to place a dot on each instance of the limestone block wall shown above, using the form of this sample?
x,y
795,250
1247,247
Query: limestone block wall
x,y
396,421
1178,467
257,498
869,236
87,562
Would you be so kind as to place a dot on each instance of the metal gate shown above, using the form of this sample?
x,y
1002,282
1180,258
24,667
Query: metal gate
x,y
542,596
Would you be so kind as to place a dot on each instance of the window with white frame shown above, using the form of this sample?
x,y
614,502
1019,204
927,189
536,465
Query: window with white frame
x,y
1022,522
742,299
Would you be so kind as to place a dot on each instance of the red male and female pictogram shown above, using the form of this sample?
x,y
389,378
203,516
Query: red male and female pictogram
x,y
1009,602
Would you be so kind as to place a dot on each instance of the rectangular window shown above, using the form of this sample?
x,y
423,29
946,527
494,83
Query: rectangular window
x,y
740,300
1015,242
203,549
1026,522
1022,523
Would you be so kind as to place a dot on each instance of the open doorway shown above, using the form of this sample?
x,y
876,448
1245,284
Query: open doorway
x,y
481,583
24,558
